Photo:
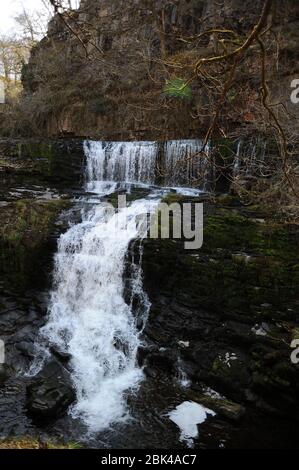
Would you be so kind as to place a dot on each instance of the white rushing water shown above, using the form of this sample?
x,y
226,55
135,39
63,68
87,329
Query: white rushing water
x,y
121,162
184,163
174,163
88,316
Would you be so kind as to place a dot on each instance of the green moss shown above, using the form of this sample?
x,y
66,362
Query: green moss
x,y
26,226
36,149
178,88
295,333
32,443
227,200
29,221
172,198
136,193
244,268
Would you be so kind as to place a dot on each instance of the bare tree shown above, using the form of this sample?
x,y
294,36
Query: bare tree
x,y
145,64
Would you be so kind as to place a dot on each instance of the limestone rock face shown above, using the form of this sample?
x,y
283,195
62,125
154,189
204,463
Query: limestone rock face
x,y
107,79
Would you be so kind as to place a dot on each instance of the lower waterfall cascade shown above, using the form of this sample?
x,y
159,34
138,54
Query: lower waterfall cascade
x,y
88,316
89,319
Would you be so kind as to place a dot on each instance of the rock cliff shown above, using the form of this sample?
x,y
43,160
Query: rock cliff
x,y
100,71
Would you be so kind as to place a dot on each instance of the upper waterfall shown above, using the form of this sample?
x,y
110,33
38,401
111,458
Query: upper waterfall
x,y
130,162
172,163
184,164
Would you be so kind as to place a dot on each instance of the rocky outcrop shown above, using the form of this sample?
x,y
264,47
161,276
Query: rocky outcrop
x,y
50,392
28,239
44,160
28,233
109,82
225,315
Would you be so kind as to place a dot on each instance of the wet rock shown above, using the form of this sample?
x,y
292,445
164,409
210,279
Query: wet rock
x,y
141,355
241,258
229,312
50,393
60,355
164,360
26,348
230,410
121,345
151,372
27,237
240,333
230,375
226,408
49,159
4,374
139,324
295,333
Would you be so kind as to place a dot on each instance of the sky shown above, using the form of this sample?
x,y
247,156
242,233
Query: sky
x,y
11,8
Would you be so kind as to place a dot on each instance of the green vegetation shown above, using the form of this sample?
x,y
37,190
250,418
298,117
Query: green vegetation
x,y
33,443
246,267
25,228
27,223
178,88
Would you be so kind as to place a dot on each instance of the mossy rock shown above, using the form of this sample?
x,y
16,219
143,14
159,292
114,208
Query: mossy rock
x,y
26,227
27,222
173,197
230,375
133,195
35,443
242,265
295,333
226,408
246,273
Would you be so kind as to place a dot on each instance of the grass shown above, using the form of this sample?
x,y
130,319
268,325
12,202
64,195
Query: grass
x,y
33,443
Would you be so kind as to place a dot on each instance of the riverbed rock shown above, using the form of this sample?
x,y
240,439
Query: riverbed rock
x,y
226,408
50,392
26,348
219,303
61,355
50,160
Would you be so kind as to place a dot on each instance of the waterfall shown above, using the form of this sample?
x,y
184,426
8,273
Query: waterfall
x,y
251,157
173,163
184,164
88,316
129,162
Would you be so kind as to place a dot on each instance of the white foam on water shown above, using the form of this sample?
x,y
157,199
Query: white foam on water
x,y
88,316
187,416
130,162
182,162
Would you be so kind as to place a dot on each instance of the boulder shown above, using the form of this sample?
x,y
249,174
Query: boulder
x,y
50,392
